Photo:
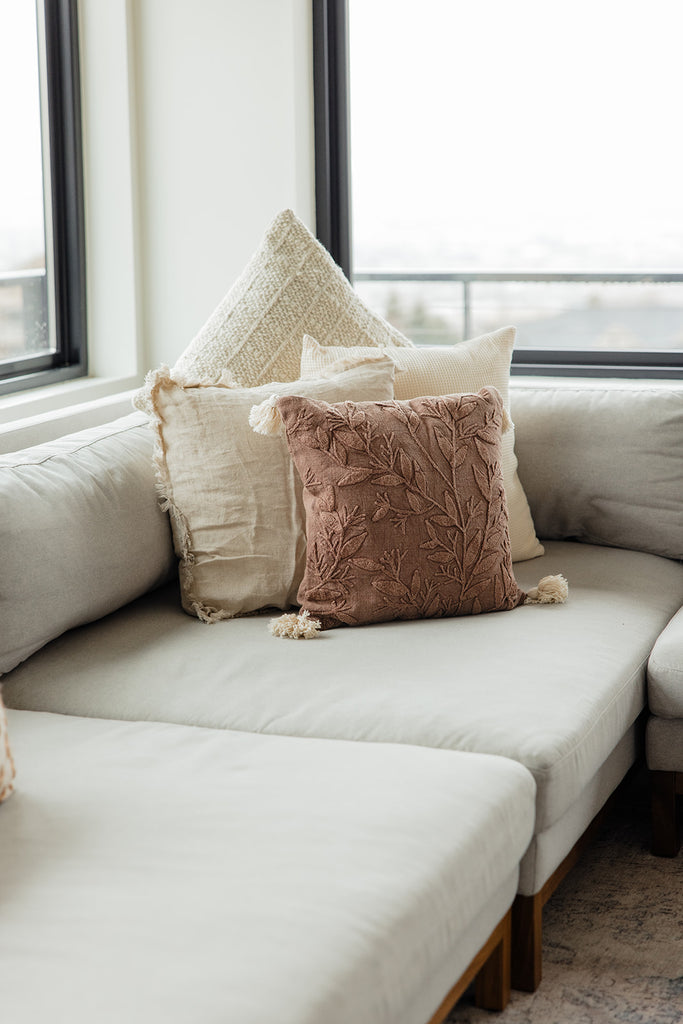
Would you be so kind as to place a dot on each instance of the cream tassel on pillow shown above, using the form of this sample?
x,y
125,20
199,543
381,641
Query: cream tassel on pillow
x,y
265,418
550,590
295,627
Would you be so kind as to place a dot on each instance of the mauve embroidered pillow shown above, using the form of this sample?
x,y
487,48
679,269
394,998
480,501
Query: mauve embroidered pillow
x,y
449,370
405,507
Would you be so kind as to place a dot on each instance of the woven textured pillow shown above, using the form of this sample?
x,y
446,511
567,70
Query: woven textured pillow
x,y
234,496
405,507
6,763
290,287
449,370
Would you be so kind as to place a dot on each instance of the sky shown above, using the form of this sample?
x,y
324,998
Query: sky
x,y
527,134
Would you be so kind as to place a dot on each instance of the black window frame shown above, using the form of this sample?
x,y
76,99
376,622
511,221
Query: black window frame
x,y
333,217
67,254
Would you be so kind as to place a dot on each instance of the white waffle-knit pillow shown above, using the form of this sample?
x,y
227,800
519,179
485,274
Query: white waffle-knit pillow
x,y
290,287
447,370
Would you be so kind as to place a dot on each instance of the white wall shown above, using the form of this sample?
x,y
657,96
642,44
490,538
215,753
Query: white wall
x,y
198,129
224,112
114,294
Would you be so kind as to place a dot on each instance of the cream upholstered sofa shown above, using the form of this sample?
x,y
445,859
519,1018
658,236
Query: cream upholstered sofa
x,y
91,605
156,872
532,716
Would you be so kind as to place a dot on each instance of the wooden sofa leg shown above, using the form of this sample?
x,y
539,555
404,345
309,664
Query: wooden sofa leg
x,y
489,970
527,939
666,838
492,987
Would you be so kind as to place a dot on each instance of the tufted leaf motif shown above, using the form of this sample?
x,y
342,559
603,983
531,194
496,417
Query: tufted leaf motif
x,y
405,508
354,476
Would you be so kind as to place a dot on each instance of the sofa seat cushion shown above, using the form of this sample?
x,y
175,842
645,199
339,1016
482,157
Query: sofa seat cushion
x,y
161,873
554,688
665,671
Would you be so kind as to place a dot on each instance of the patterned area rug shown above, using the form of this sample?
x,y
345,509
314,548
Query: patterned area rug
x,y
613,934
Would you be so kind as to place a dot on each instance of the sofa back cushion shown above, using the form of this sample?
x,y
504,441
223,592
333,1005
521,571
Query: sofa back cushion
x,y
81,533
602,462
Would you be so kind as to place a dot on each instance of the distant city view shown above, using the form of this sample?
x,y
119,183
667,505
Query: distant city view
x,y
595,316
479,143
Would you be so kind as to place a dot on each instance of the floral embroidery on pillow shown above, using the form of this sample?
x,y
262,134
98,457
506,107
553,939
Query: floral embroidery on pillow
x,y
405,507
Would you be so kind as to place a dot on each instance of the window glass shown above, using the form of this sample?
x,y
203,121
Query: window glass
x,y
24,326
493,139
42,231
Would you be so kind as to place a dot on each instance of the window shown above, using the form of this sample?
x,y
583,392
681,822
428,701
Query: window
x,y
42,260
508,163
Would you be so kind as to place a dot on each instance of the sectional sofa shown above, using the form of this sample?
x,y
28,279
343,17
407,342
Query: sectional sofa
x,y
212,823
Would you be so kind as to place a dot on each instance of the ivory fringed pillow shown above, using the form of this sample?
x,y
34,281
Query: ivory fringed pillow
x,y
405,511
290,287
7,772
233,496
449,370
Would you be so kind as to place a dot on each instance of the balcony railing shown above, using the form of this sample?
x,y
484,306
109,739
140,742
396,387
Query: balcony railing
x,y
23,315
467,278
658,360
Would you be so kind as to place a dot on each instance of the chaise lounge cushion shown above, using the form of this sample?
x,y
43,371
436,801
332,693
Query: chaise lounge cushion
x,y
156,873
555,692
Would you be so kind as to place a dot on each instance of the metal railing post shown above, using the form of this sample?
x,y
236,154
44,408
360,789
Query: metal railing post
x,y
465,309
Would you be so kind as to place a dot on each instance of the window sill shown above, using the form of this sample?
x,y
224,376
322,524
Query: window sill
x,y
592,383
58,397
34,417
